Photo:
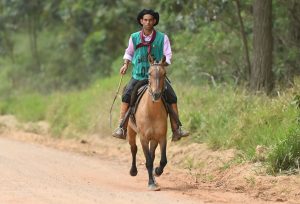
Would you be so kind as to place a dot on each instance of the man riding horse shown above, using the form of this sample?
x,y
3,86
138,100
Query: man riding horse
x,y
141,44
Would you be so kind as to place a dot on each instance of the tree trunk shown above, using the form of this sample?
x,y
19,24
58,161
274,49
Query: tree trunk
x,y
243,33
294,35
32,31
9,45
261,74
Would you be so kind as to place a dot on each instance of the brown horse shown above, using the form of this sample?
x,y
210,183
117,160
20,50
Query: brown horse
x,y
150,123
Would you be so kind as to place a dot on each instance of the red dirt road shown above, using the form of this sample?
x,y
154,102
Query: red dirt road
x,y
36,174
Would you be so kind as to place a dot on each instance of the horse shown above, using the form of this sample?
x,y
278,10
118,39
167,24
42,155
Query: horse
x,y
150,124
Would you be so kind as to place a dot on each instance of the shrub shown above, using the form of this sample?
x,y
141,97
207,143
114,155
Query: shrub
x,y
285,156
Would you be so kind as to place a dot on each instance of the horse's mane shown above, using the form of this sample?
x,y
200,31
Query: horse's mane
x,y
134,95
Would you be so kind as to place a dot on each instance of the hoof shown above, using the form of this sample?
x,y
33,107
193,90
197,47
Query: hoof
x,y
133,172
156,172
153,187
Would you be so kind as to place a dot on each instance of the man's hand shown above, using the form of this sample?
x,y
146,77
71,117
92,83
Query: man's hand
x,y
124,68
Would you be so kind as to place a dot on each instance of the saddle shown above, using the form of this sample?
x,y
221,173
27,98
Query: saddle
x,y
137,93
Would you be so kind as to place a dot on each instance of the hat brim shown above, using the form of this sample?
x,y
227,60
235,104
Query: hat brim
x,y
148,11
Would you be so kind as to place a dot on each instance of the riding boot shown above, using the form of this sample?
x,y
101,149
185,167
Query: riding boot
x,y
177,130
121,131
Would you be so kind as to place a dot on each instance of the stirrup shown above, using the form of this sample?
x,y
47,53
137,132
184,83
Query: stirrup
x,y
120,133
178,134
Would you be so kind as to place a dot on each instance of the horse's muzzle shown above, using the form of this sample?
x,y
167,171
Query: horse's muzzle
x,y
156,96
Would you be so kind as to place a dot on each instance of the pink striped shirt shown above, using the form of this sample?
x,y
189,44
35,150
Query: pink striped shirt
x,y
167,48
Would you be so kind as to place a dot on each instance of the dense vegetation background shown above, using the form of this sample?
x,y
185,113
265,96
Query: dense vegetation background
x,y
235,67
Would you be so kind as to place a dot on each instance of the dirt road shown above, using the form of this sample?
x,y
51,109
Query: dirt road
x,y
33,173
36,174
37,168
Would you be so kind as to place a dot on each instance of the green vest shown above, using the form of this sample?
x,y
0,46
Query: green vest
x,y
140,58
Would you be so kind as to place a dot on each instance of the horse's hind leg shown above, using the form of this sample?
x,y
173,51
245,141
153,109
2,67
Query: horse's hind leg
x,y
149,165
163,161
132,141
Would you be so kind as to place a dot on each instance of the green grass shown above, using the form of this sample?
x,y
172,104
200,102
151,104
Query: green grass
x,y
70,114
285,155
27,107
223,117
76,113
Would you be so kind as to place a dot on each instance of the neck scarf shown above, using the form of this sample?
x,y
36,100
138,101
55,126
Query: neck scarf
x,y
144,43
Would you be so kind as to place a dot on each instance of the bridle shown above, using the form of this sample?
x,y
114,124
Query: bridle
x,y
155,94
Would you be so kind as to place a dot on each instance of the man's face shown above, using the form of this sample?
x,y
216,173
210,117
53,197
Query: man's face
x,y
148,21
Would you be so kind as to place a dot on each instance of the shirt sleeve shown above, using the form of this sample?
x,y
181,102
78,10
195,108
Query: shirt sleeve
x,y
129,51
167,49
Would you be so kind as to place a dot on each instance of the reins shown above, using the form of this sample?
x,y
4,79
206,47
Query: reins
x,y
117,92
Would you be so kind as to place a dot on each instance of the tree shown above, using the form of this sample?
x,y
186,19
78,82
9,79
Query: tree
x,y
6,28
244,37
261,78
293,58
27,15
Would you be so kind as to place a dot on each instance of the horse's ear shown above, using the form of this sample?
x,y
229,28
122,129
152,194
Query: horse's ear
x,y
163,60
150,59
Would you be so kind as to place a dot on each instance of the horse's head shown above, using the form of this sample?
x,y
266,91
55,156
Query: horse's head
x,y
157,74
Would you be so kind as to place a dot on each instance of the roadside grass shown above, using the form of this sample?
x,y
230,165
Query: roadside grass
x,y
285,155
28,107
74,114
223,117
70,114
226,117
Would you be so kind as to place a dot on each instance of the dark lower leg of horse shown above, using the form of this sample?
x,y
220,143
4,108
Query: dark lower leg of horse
x,y
133,170
163,161
149,165
153,145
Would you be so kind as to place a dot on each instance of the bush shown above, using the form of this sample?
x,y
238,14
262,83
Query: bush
x,y
285,156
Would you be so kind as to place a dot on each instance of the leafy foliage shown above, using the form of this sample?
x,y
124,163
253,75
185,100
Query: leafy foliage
x,y
73,42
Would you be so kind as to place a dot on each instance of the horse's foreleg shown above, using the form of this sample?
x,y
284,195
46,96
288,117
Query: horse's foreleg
x,y
163,161
149,165
133,169
132,141
153,145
